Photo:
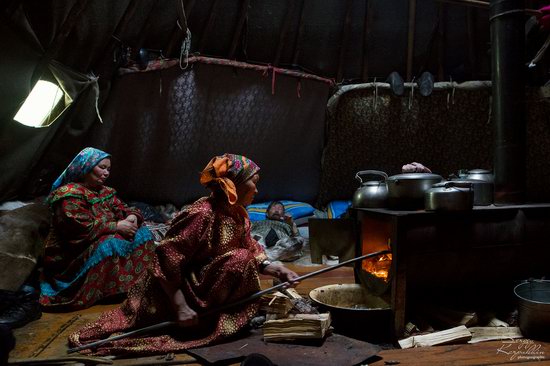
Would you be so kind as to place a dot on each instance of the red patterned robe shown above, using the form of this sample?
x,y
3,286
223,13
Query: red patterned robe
x,y
209,254
85,259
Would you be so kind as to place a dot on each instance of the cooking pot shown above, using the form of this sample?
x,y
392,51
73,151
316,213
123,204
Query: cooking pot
x,y
372,193
534,308
406,191
478,174
483,190
449,196
355,312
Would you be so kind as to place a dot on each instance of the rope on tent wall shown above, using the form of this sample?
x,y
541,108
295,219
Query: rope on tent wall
x,y
411,94
375,94
185,48
186,44
451,95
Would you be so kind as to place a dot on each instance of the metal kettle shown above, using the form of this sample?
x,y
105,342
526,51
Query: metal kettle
x,y
372,193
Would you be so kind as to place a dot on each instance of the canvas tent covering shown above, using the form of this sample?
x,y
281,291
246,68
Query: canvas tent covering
x,y
352,41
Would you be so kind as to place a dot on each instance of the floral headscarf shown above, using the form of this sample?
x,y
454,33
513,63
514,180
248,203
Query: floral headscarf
x,y
82,164
228,171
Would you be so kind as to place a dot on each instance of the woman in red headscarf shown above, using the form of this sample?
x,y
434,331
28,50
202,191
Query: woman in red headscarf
x,y
207,259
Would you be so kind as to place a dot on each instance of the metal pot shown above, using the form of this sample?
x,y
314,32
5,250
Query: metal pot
x,y
483,190
477,174
372,193
534,308
355,312
406,191
449,196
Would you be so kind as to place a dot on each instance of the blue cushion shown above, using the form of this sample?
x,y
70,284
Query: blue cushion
x,y
336,209
296,209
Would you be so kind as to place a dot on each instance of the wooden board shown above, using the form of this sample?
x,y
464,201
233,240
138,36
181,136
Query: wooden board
x,y
486,353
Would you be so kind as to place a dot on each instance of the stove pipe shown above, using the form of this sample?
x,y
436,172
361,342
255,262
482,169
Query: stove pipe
x,y
507,63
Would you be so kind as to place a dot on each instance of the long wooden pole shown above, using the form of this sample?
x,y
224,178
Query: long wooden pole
x,y
224,307
410,38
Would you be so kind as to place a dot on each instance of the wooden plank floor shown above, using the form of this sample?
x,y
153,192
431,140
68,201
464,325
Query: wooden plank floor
x,y
47,337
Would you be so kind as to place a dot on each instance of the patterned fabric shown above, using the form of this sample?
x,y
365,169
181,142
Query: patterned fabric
x,y
85,258
82,164
226,172
447,131
262,228
208,254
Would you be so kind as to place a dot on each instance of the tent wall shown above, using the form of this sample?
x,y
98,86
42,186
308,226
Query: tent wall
x,y
447,131
162,127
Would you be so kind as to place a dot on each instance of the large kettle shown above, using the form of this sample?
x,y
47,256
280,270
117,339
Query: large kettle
x,y
371,193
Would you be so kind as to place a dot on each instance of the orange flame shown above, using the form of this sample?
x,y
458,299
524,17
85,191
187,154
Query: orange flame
x,y
379,266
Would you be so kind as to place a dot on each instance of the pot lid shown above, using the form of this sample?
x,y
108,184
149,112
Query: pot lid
x,y
371,183
415,176
476,171
471,181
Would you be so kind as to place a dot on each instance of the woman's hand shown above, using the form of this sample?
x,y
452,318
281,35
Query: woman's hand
x,y
415,167
186,317
282,273
126,228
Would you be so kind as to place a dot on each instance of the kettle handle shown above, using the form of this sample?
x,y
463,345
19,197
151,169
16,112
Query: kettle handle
x,y
372,172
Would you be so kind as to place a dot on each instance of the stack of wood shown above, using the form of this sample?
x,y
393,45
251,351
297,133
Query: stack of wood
x,y
290,317
460,327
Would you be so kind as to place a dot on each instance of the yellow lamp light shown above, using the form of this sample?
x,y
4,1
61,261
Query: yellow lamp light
x,y
40,103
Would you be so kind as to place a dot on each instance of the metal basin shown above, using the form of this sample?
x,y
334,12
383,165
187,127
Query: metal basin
x,y
355,312
534,309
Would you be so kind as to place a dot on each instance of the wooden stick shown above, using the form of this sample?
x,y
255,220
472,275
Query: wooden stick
x,y
208,27
238,29
61,359
345,40
224,307
366,33
284,33
410,41
296,53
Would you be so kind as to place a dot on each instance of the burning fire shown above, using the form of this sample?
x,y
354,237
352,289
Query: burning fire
x,y
379,266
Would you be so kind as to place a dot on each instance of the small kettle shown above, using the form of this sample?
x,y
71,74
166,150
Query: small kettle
x,y
372,193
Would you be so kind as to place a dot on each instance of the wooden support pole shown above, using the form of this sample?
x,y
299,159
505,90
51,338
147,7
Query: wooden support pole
x,y
441,43
365,48
209,25
296,53
283,36
410,36
146,28
239,28
470,17
345,40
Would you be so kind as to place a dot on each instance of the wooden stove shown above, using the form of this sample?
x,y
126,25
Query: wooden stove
x,y
429,249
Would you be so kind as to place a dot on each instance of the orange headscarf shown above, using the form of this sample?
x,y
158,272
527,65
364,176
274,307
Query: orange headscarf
x,y
228,171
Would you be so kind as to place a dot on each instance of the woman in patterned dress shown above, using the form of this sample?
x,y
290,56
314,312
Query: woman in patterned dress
x,y
206,260
96,247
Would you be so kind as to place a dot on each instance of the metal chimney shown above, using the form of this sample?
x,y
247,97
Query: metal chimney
x,y
507,61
